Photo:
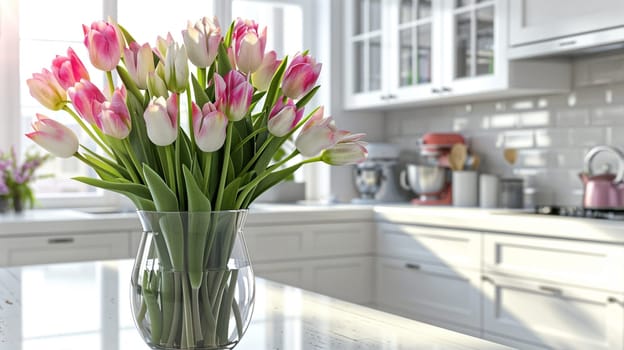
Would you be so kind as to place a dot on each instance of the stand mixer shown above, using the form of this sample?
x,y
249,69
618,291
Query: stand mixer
x,y
432,181
375,178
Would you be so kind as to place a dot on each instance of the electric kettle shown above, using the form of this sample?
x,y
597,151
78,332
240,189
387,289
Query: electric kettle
x,y
603,190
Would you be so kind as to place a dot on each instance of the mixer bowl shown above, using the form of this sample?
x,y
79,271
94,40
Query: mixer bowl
x,y
424,179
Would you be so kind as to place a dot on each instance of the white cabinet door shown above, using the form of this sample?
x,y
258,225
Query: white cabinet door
x,y
440,246
424,291
551,315
349,278
584,264
67,248
286,242
538,20
474,47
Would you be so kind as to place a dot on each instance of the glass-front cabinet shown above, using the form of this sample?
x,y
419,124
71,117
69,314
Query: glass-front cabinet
x,y
410,51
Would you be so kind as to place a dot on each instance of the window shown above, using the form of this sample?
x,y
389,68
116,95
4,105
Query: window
x,y
32,32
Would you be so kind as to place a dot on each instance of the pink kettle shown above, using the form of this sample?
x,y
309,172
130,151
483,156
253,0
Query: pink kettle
x,y
603,190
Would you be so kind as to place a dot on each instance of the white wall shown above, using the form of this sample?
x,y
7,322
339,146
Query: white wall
x,y
552,133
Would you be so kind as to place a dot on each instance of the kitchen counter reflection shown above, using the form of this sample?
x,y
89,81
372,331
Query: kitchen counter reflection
x,y
85,306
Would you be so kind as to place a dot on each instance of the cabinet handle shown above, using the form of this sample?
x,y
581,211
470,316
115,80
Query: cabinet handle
x,y
567,43
391,96
436,90
65,240
552,290
446,89
412,266
613,300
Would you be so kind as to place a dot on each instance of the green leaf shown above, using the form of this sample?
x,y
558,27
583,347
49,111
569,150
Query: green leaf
x,y
201,98
164,198
138,194
229,194
223,60
228,35
270,181
126,34
198,226
272,92
305,99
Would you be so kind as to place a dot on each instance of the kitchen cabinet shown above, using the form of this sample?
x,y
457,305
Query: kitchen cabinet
x,y
411,52
530,314
43,249
538,27
430,274
329,258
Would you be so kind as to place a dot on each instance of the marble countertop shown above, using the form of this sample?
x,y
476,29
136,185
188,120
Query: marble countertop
x,y
66,221
67,306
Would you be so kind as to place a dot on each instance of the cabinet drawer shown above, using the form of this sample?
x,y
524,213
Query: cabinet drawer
x,y
553,316
584,264
280,242
433,245
67,248
425,291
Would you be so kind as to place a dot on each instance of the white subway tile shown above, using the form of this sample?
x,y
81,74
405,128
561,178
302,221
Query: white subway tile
x,y
519,138
504,120
608,115
533,158
572,117
587,136
615,136
551,138
469,122
535,118
568,158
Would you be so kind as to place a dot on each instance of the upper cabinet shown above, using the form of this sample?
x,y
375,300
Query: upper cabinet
x,y
413,52
538,27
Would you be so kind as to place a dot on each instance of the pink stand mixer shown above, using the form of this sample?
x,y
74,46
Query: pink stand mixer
x,y
603,191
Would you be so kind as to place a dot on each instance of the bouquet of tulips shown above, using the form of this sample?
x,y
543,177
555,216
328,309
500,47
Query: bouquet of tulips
x,y
16,176
241,104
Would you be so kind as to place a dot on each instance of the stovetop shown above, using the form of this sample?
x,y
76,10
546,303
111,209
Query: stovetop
x,y
607,213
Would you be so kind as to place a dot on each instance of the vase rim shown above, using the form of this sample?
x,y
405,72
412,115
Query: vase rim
x,y
193,212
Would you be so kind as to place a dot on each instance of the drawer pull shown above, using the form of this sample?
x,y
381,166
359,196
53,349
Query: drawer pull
x,y
567,43
552,290
412,266
613,300
65,240
487,279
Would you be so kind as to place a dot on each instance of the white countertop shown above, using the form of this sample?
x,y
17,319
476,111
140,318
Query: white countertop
x,y
67,306
498,220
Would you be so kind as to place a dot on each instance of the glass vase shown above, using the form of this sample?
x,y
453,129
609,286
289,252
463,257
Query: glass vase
x,y
192,282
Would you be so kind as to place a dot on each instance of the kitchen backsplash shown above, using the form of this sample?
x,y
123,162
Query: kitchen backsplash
x,y
552,133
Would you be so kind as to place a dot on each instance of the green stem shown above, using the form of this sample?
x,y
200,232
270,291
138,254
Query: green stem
x,y
201,77
252,185
248,138
197,324
207,171
189,103
258,154
109,78
93,165
173,334
226,160
170,167
187,312
137,166
88,130
210,331
226,303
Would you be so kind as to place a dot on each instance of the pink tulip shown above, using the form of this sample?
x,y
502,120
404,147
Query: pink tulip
x,y
55,137
202,41
345,153
209,126
104,43
114,120
284,117
261,79
176,68
69,70
300,77
139,61
248,45
161,120
233,94
317,134
46,89
87,100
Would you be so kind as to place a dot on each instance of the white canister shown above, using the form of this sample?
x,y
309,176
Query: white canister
x,y
465,184
488,191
